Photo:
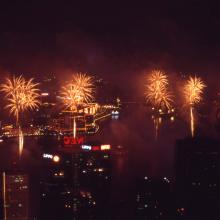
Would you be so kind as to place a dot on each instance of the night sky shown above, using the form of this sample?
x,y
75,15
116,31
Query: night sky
x,y
113,40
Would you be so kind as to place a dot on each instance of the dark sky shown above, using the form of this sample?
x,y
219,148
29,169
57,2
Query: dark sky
x,y
113,40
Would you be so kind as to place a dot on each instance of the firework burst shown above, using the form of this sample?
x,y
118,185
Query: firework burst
x,y
157,90
14,94
193,91
78,92
158,95
31,95
21,95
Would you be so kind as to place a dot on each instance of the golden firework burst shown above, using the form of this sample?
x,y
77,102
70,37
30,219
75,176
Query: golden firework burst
x,y
20,94
79,91
193,91
157,90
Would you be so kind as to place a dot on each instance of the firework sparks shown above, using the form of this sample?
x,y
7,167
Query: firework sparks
x,y
74,127
157,90
192,121
21,141
78,92
31,95
21,95
158,96
193,91
13,90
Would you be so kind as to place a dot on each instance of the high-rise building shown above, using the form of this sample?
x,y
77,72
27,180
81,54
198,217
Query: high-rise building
x,y
198,176
76,186
153,199
15,190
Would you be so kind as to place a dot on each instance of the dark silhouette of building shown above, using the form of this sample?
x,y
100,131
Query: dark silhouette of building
x,y
154,199
15,190
76,186
198,177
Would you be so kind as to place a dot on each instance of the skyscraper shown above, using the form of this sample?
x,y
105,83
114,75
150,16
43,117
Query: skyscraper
x,y
198,176
15,196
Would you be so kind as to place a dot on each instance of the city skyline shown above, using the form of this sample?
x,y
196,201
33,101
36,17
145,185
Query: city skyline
x,y
110,111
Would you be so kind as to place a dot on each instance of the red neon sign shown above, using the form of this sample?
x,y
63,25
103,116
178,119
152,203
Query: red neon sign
x,y
95,148
72,140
